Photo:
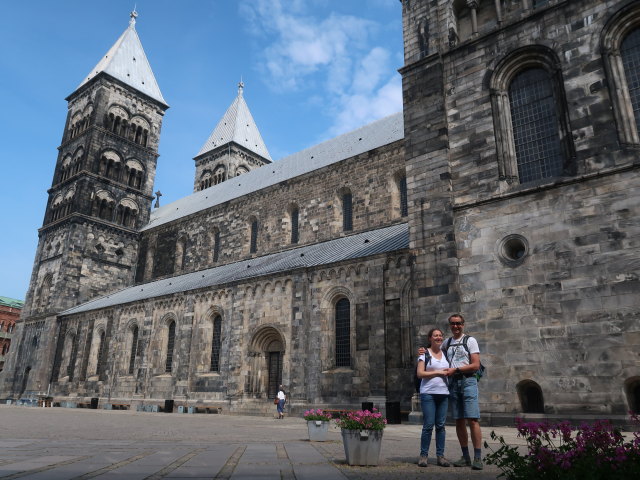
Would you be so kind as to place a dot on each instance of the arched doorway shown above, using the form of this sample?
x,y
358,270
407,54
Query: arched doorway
x,y
266,353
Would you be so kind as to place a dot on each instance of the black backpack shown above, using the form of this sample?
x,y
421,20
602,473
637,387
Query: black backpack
x,y
445,346
416,379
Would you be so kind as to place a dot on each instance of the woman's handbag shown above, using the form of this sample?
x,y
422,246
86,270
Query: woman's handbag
x,y
275,401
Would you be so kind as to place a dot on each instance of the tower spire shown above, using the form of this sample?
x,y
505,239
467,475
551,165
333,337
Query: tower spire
x,y
240,86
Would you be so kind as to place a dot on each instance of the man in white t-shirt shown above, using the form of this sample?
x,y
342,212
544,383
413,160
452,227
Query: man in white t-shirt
x,y
463,387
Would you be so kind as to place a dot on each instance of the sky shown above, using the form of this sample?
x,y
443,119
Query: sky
x,y
312,69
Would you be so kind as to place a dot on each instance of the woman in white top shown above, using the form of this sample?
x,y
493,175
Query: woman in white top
x,y
281,399
434,397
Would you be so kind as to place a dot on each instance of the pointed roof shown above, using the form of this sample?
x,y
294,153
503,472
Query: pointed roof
x,y
127,62
237,125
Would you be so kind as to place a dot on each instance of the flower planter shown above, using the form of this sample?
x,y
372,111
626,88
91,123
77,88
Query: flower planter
x,y
362,447
317,430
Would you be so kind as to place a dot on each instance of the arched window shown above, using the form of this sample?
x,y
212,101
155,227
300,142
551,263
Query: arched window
x,y
295,213
530,395
347,212
216,344
100,359
531,121
402,187
253,247
171,338
535,126
181,253
343,333
134,349
630,54
72,357
219,175
216,245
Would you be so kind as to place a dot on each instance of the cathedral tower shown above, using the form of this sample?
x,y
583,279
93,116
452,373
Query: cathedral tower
x,y
234,147
100,196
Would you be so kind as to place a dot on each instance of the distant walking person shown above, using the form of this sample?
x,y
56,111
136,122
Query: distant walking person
x,y
282,398
463,356
434,396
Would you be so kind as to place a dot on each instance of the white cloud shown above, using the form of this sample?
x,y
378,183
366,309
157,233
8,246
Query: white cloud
x,y
334,56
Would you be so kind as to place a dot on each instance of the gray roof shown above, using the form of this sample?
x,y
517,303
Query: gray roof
x,y
360,245
237,125
127,62
374,135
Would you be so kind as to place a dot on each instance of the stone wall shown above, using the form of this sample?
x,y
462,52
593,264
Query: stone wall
x,y
545,272
372,178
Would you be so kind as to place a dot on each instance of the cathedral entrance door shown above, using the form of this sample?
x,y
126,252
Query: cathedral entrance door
x,y
266,366
275,373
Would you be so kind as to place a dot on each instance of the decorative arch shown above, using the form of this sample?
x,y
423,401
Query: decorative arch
x,y
620,42
103,205
531,72
126,212
181,253
219,174
241,170
346,204
253,234
294,222
96,350
110,165
206,180
168,332
134,172
44,293
266,362
132,345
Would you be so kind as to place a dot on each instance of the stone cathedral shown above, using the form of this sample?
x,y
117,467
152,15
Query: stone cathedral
x,y
507,189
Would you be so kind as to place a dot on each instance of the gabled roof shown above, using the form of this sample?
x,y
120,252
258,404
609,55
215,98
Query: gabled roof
x,y
237,125
127,62
376,134
360,245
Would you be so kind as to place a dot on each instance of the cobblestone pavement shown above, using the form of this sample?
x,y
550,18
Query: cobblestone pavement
x,y
61,443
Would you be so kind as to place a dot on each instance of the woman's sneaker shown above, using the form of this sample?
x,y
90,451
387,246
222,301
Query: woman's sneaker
x,y
423,461
443,462
463,462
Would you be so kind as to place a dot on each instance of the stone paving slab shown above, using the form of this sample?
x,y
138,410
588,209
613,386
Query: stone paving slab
x,y
61,444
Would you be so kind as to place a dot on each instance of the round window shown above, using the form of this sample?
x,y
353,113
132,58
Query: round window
x,y
513,249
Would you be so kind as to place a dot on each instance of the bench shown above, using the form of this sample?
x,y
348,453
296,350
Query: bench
x,y
83,405
120,406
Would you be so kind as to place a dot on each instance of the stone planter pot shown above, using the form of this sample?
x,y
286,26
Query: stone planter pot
x,y
362,447
317,430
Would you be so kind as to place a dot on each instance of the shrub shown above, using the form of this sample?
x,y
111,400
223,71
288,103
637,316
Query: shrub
x,y
595,451
317,415
362,420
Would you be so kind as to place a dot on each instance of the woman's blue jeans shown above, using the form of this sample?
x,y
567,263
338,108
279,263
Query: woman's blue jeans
x,y
434,413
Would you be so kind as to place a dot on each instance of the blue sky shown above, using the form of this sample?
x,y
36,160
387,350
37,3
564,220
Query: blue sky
x,y
312,69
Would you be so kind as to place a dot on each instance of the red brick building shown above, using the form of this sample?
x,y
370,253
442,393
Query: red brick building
x,y
9,313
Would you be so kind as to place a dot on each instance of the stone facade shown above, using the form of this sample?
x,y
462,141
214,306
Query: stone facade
x,y
544,265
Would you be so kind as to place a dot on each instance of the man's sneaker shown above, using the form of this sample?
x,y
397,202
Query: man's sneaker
x,y
463,462
423,461
477,464
443,462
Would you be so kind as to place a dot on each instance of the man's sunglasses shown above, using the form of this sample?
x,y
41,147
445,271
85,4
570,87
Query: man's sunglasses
x,y
456,324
